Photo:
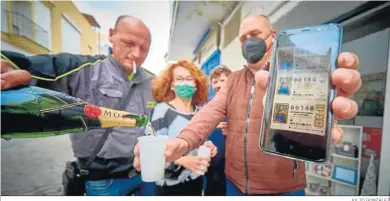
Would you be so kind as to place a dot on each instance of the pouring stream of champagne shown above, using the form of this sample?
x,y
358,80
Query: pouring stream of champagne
x,y
149,130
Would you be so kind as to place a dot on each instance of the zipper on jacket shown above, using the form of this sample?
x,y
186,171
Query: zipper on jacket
x,y
295,168
246,133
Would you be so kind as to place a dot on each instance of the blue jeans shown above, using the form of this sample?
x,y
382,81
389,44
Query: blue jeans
x,y
232,190
121,187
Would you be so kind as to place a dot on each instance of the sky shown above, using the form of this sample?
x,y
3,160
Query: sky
x,y
155,14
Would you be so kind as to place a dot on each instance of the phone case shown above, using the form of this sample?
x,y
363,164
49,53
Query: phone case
x,y
279,113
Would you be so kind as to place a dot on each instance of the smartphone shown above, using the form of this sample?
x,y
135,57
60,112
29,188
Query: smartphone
x,y
297,118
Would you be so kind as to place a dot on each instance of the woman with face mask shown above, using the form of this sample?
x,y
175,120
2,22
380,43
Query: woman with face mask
x,y
180,90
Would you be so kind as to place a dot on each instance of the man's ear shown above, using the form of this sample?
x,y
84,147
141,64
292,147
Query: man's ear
x,y
111,34
274,32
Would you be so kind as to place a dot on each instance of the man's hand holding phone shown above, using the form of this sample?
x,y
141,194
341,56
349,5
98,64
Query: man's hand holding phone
x,y
347,81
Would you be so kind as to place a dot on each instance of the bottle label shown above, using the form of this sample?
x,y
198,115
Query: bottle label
x,y
92,111
109,117
114,118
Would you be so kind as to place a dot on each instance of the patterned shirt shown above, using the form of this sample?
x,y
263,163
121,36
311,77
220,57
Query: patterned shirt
x,y
167,120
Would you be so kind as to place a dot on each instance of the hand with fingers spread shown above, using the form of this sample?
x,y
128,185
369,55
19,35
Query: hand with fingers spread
x,y
12,78
347,81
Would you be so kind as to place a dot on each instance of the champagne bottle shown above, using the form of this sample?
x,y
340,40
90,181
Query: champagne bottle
x,y
33,112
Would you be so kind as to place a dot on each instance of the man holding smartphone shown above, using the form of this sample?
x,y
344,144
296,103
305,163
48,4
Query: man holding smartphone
x,y
250,171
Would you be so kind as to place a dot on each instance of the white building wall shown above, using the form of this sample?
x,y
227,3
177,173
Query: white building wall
x,y
232,58
261,7
42,17
231,55
71,36
9,47
296,14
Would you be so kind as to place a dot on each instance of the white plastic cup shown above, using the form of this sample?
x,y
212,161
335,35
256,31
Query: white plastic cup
x,y
203,151
152,158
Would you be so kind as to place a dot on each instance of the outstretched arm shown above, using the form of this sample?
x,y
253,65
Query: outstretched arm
x,y
208,117
50,69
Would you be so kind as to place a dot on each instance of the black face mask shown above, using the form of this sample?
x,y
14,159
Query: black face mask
x,y
254,49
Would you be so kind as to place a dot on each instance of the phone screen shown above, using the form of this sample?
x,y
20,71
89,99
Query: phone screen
x,y
297,117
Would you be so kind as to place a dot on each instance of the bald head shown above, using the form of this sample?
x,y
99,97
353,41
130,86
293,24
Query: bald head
x,y
124,20
257,26
131,40
255,23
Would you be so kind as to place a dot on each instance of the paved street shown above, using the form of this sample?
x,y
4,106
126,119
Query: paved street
x,y
34,166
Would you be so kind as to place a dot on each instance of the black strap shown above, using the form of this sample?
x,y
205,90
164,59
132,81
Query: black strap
x,y
103,139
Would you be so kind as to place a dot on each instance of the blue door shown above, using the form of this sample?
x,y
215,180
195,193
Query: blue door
x,y
213,61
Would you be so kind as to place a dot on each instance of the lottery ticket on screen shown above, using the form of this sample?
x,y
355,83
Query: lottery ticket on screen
x,y
300,101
